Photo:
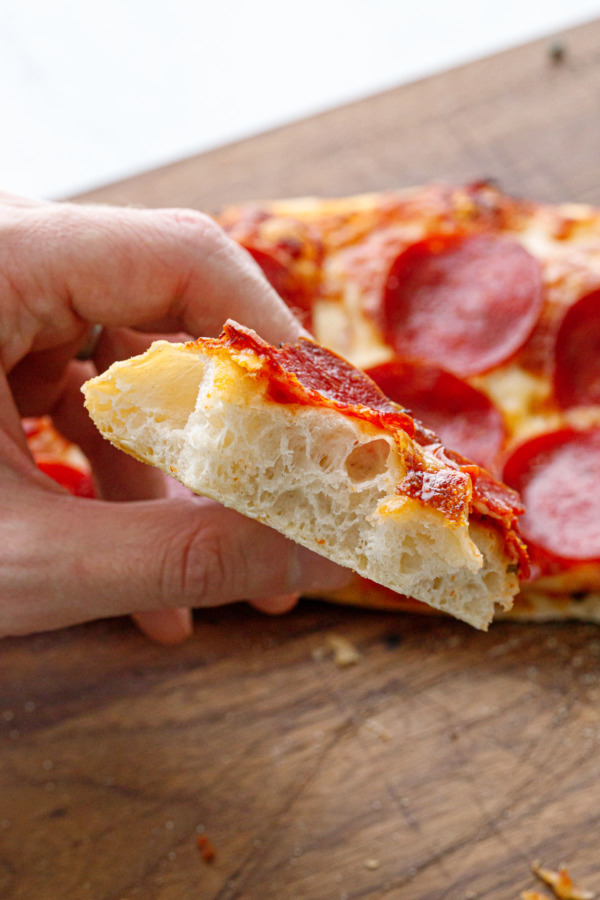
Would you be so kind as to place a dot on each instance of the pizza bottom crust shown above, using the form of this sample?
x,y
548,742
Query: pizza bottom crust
x,y
537,606
530,605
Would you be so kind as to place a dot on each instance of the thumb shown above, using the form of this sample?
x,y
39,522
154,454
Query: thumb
x,y
94,559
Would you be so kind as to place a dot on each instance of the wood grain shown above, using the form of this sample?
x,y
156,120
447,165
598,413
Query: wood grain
x,y
440,765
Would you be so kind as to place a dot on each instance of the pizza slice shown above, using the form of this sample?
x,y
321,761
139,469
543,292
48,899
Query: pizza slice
x,y
301,440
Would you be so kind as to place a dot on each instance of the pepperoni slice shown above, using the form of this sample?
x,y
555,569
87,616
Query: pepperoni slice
x,y
557,475
282,280
466,302
465,418
74,480
577,354
321,376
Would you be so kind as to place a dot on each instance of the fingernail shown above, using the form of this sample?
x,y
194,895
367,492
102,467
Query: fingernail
x,y
311,572
185,621
172,626
275,606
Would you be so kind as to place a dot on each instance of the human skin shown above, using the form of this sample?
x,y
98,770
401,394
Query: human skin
x,y
135,550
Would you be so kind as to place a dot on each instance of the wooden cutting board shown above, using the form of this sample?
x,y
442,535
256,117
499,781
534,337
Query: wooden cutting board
x,y
440,765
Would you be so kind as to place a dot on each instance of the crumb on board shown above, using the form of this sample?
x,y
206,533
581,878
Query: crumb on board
x,y
371,864
534,895
557,51
378,729
207,851
561,883
344,651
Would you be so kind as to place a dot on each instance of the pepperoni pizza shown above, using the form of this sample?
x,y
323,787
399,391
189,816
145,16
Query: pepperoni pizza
x,y
481,314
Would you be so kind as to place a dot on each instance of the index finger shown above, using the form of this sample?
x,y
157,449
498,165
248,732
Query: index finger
x,y
166,269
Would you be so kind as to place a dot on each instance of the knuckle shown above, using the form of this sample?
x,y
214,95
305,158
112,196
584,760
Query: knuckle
x,y
193,226
198,573
195,239
213,559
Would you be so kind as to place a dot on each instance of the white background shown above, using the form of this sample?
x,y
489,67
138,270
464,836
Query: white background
x,y
91,92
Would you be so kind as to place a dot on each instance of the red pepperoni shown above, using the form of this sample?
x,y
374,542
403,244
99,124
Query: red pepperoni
x,y
577,354
320,374
557,475
74,480
282,280
464,418
466,302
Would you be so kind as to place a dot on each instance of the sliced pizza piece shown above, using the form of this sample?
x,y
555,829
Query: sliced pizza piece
x,y
299,439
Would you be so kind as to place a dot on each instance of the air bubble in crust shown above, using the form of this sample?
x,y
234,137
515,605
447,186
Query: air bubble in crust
x,y
368,460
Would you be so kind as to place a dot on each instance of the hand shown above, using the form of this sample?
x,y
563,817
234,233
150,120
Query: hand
x,y
63,560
